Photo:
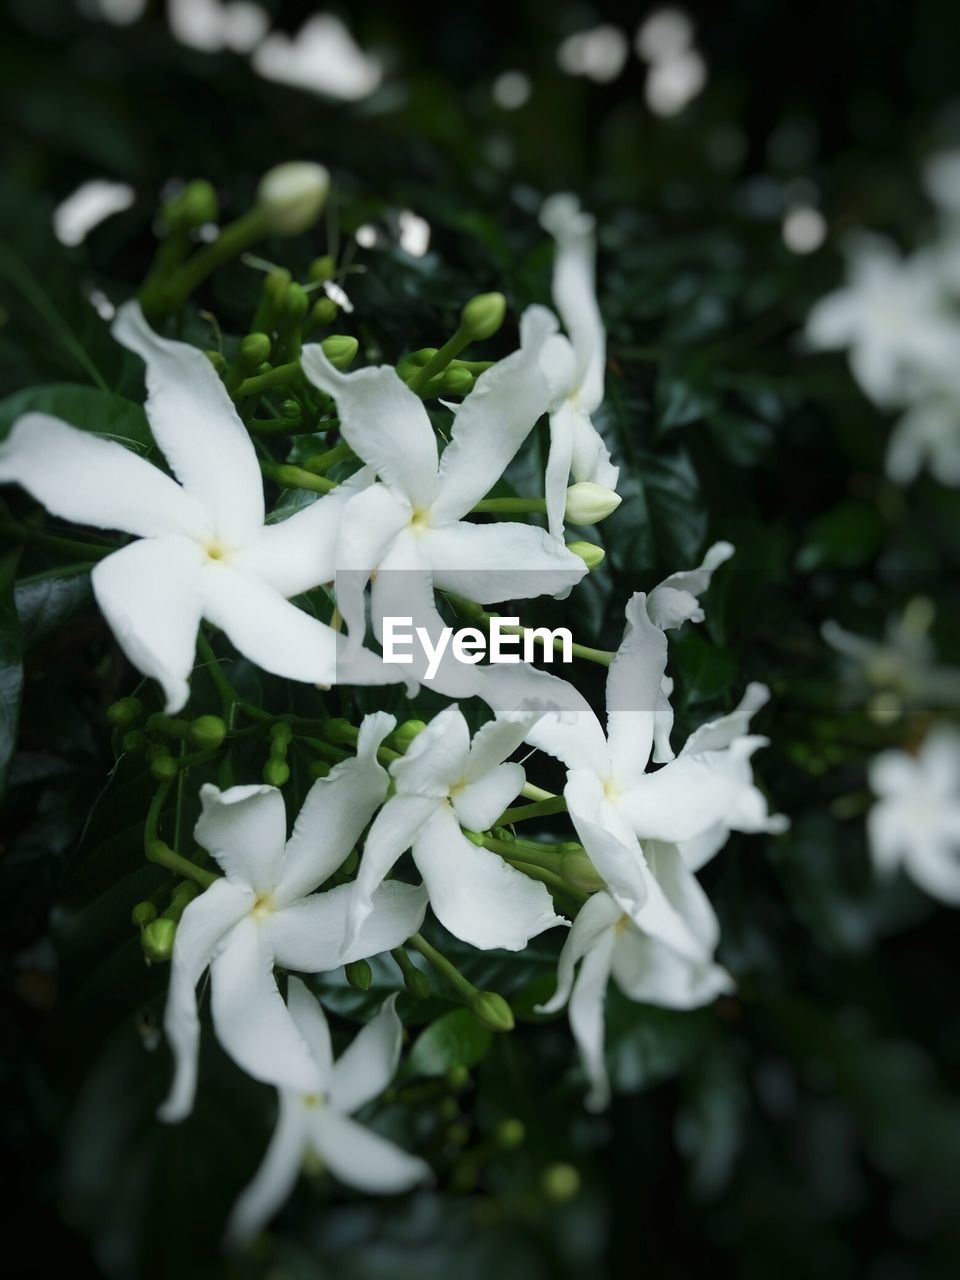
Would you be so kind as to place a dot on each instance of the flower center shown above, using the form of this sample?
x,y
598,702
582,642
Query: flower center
x,y
611,791
313,1099
263,907
420,519
215,550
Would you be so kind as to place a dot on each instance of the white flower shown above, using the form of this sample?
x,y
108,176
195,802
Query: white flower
x,y
927,435
915,823
574,366
317,1123
291,196
605,941
211,25
413,520
322,58
264,912
203,550
442,783
893,317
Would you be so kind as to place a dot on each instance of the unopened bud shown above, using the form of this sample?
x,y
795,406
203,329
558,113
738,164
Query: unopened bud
x,y
142,914
134,742
325,311
207,732
560,1182
276,773
359,974
405,733
492,1011
417,983
163,767
483,315
291,411
509,1134
157,940
295,303
322,269
218,360
589,503
254,350
319,769
193,206
125,713
457,382
589,553
580,873
340,349
340,731
291,196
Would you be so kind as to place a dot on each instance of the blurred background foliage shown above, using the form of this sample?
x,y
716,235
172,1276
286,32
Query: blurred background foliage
x,y
808,1126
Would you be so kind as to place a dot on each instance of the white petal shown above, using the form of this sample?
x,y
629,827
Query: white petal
x,y
333,815
575,295
587,1020
597,915
591,457
312,934
720,733
369,1062
834,320
203,925
683,891
480,803
307,1013
503,561
196,425
83,478
676,600
493,421
663,724
245,829
474,893
371,522
383,421
276,1176
363,1159
495,742
934,863
437,758
647,970
392,833
634,681
250,1018
576,740
150,594
559,462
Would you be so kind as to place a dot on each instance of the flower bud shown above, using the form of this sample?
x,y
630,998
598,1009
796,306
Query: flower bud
x,y
325,311
207,732
340,349
560,1182
319,769
458,1077
157,940
340,731
142,914
417,983
254,350
589,553
291,411
589,503
509,1134
163,767
276,773
193,206
281,734
492,1011
134,742
405,733
483,316
352,860
125,713
457,382
218,361
580,873
322,269
291,196
295,304
359,974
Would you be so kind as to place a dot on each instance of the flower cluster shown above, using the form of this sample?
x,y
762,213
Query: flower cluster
x,y
394,531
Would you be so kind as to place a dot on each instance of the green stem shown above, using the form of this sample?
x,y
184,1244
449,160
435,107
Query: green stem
x,y
511,506
232,240
164,856
537,855
547,877
437,363
324,461
541,809
601,656
228,695
283,427
291,477
284,375
444,967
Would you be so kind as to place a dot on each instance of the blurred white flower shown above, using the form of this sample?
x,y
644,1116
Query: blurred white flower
x,y
941,177
928,435
915,823
663,35
322,57
598,54
120,12
317,1123
88,206
414,233
673,85
804,229
511,90
211,26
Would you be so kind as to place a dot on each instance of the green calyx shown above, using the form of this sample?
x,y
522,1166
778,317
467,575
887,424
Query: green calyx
x,y
359,974
482,316
492,1011
157,940
126,712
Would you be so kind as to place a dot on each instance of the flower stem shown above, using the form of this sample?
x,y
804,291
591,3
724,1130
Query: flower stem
x,y
284,375
232,240
472,610
540,809
291,477
444,967
511,506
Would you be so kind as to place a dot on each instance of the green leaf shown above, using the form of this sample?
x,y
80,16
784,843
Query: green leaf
x,y
11,662
46,601
646,1045
706,671
455,1040
100,412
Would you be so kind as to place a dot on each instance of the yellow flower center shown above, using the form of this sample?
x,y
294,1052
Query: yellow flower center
x,y
610,790
419,519
263,907
215,550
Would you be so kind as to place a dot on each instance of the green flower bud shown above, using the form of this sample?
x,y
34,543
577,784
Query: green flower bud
x,y
580,873
492,1011
218,360
157,940
281,735
509,1134
290,409
325,311
295,303
340,731
291,196
475,837
163,767
560,1182
458,1077
457,382
405,733
483,315
322,269
319,769
134,742
193,206
276,773
414,361
142,914
207,732
254,351
359,974
589,503
340,349
417,983
589,553
124,713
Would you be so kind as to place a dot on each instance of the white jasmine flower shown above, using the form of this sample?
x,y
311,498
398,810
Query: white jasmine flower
x,y
85,208
928,435
211,25
322,57
915,823
203,550
413,520
574,365
317,1123
902,666
442,783
893,317
291,196
264,912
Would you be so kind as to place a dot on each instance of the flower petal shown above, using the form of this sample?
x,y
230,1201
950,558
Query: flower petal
x,y
493,421
383,421
150,594
307,1012
480,803
503,561
276,1176
475,894
196,425
363,1159
717,734
494,742
559,462
586,1014
575,291
81,477
648,971
591,457
634,681
437,758
244,828
250,1018
372,521
312,934
597,915
392,833
676,600
334,813
369,1062
205,922
576,740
